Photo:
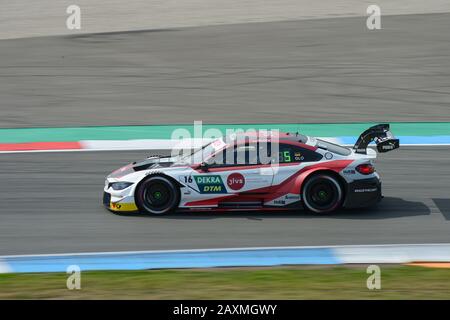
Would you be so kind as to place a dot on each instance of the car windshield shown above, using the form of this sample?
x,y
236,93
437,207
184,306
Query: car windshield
x,y
202,154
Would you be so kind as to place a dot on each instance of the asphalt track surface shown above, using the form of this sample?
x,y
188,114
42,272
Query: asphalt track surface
x,y
330,70
51,203
326,70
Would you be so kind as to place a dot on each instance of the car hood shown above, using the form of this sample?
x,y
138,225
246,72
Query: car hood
x,y
149,163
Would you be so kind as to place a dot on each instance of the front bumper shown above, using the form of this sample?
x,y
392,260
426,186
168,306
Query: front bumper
x,y
363,193
123,205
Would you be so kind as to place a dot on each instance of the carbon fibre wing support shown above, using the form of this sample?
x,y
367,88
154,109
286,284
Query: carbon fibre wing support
x,y
382,136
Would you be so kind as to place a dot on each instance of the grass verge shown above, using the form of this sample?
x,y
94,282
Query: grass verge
x,y
314,282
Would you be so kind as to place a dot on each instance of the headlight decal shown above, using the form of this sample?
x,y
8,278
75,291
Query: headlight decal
x,y
120,185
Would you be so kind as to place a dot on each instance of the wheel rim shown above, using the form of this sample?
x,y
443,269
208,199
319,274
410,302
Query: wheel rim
x,y
323,195
157,196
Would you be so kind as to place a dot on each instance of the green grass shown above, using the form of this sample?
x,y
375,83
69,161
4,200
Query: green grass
x,y
398,282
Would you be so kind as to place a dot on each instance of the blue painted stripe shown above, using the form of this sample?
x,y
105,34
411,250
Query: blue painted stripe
x,y
180,259
405,140
424,140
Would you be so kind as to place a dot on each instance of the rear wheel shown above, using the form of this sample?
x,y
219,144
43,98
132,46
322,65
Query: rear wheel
x,y
157,195
322,193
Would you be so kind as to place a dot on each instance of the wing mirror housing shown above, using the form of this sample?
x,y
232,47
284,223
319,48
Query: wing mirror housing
x,y
203,166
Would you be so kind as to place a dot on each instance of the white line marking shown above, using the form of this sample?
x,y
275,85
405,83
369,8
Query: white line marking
x,y
443,245
394,254
4,268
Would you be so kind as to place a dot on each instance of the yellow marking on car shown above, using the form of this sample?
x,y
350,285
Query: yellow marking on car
x,y
123,206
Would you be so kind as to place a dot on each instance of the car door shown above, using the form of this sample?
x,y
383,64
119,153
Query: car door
x,y
234,171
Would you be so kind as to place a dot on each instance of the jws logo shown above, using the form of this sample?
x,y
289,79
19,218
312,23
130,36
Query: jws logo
x,y
210,184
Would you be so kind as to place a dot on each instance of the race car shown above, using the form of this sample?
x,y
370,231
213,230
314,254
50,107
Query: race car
x,y
254,171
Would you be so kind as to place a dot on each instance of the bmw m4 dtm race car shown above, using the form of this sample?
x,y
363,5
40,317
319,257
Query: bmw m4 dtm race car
x,y
254,171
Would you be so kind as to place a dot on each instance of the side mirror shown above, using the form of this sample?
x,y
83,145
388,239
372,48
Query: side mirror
x,y
203,166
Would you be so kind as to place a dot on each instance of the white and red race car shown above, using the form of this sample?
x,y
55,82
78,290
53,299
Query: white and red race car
x,y
254,171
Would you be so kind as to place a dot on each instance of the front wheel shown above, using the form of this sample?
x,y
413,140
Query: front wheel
x,y
157,195
322,193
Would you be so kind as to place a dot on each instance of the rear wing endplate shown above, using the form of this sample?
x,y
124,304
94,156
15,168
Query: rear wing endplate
x,y
382,136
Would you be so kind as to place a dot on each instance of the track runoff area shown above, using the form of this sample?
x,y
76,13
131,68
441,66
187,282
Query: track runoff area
x,y
166,137
46,140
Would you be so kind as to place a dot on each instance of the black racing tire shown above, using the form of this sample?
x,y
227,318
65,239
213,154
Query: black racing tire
x,y
157,195
322,193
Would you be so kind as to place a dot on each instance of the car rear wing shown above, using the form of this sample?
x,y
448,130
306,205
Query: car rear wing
x,y
383,138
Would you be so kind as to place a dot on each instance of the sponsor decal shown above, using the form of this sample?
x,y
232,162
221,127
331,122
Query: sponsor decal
x,y
349,171
235,181
328,156
298,156
123,206
210,184
116,205
366,190
287,199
